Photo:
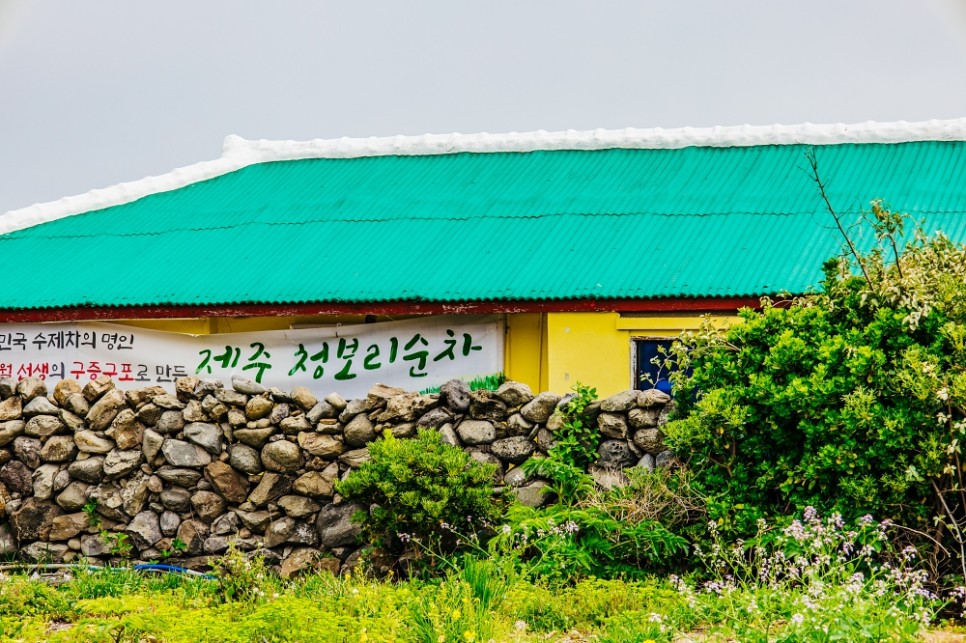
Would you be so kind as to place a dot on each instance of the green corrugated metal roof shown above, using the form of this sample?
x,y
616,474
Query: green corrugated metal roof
x,y
542,225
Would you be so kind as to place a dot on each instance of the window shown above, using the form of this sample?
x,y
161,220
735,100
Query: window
x,y
646,373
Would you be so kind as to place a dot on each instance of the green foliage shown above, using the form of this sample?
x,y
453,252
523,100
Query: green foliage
x,y
561,544
118,542
177,546
589,603
577,440
109,581
245,577
21,597
451,612
422,494
619,532
636,627
849,400
809,596
90,510
567,482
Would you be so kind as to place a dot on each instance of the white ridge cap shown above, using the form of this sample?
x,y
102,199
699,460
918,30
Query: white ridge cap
x,y
239,152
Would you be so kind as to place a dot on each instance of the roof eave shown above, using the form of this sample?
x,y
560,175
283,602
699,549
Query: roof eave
x,y
694,305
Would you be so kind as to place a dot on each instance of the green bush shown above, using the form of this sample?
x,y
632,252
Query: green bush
x,y
576,441
424,496
620,532
849,400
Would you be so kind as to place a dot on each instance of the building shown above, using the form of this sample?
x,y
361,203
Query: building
x,y
584,250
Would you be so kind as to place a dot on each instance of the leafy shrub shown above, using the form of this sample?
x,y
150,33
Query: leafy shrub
x,y
849,400
560,543
423,495
567,482
576,442
606,533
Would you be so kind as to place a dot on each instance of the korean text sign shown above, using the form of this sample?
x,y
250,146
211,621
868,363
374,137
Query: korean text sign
x,y
413,354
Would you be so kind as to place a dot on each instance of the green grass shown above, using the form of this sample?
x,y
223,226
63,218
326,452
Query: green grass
x,y
473,604
488,382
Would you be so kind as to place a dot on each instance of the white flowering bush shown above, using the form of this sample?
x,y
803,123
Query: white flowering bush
x,y
817,579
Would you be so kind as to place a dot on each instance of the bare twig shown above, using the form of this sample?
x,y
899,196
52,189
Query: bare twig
x,y
813,163
933,539
957,532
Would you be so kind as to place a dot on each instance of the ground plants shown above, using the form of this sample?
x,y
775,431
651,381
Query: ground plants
x,y
591,532
816,579
479,600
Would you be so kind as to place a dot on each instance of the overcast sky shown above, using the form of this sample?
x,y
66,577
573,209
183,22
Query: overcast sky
x,y
96,92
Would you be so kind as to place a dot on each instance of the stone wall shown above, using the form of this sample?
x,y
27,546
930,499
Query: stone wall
x,y
97,473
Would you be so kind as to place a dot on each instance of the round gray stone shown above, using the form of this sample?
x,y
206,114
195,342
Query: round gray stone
x,y
664,458
650,440
614,454
244,458
208,505
27,450
208,436
515,449
89,470
119,463
540,408
40,406
612,425
144,530
42,426
281,456
176,499
10,430
359,431
619,402
184,454
91,442
58,448
476,432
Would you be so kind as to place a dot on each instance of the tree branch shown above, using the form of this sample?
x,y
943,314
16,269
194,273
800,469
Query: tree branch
x,y
813,163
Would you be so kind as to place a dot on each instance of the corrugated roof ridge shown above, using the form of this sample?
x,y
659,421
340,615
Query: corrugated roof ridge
x,y
600,139
239,152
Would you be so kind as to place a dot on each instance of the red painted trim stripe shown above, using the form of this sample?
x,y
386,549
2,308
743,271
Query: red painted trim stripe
x,y
106,313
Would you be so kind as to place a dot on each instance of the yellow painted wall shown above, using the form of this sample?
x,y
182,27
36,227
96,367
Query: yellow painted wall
x,y
524,354
597,349
547,351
